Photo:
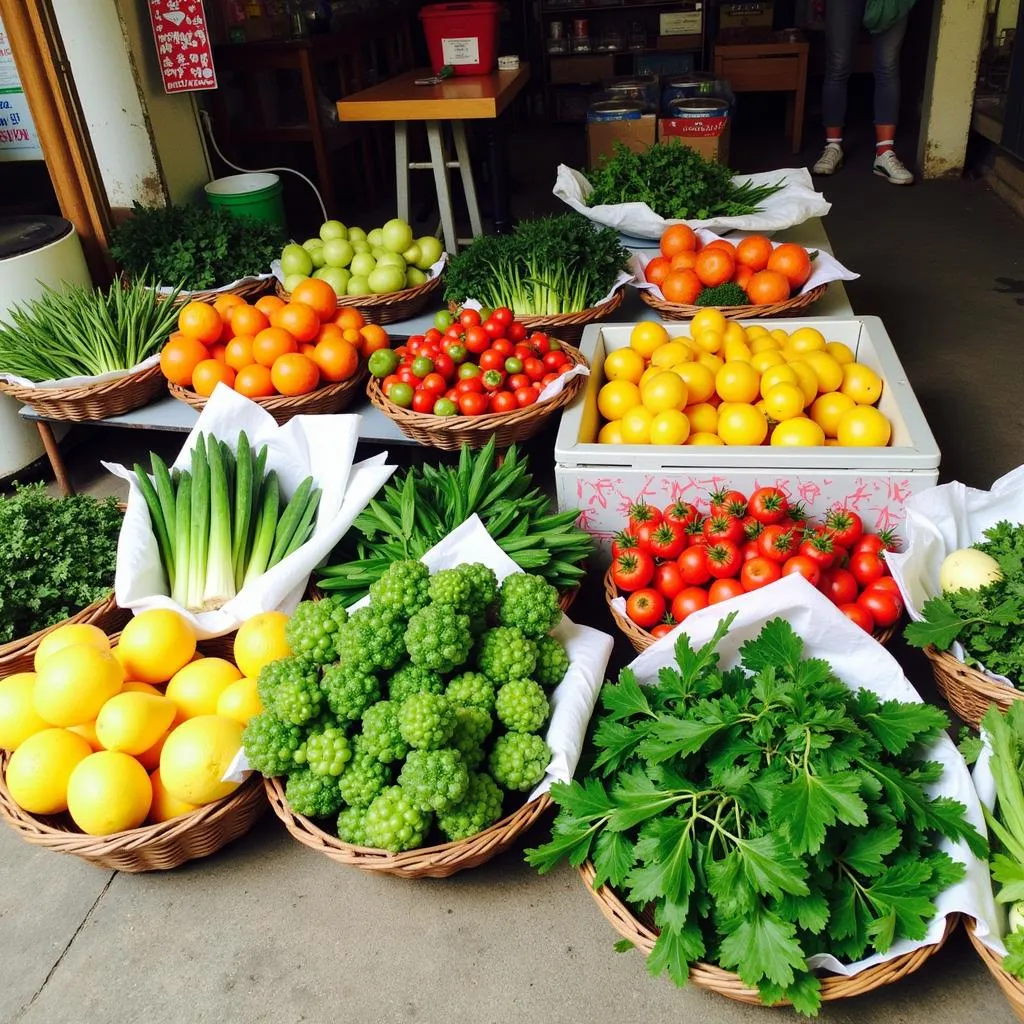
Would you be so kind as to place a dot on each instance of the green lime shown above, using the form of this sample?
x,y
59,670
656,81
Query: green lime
x,y
383,361
401,394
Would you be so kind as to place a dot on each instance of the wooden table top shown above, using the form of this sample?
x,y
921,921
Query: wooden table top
x,y
455,99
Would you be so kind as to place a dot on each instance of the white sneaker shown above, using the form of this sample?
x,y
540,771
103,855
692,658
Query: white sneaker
x,y
830,161
890,167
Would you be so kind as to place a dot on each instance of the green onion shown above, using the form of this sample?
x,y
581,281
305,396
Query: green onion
x,y
266,524
219,586
182,535
156,518
199,538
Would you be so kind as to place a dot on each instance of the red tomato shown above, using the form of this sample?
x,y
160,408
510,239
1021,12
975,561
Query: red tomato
x,y
752,528
845,527
777,542
633,570
768,505
492,359
855,613
493,327
472,403
681,512
493,380
503,401
804,566
840,556
724,590
406,376
503,315
723,527
749,550
526,396
874,542
759,572
888,584
729,503
695,532
444,365
504,346
385,384
646,607
548,378
555,360
423,400
477,340
540,341
867,566
533,368
818,548
839,586
455,332
515,332
885,608
667,540
693,565
668,580
517,381
641,512
470,385
435,382
662,629
433,335
415,343
723,558
470,318
688,601
452,395
622,541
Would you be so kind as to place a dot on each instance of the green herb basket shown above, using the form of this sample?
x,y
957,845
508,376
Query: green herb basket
x,y
642,933
1012,988
968,691
679,311
383,309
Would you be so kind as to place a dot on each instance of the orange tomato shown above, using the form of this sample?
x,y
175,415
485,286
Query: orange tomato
x,y
349,317
248,320
682,286
336,359
684,260
658,269
678,238
318,295
742,275
328,330
225,303
353,337
721,243
754,252
266,304
298,319
373,337
219,352
208,374
767,286
307,348
272,343
791,260
254,381
294,374
200,321
238,353
179,357
714,266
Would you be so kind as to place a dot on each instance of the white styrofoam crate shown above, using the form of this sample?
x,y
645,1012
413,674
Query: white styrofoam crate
x,y
603,480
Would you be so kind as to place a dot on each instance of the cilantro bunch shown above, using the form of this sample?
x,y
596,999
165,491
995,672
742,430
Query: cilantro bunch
x,y
762,814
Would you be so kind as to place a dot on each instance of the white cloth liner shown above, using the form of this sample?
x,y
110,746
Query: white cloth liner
x,y
861,663
796,202
74,382
992,917
320,446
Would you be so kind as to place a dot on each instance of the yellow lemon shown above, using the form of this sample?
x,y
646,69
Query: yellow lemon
x,y
737,382
135,687
164,806
861,383
699,380
708,319
864,427
826,369
780,374
18,716
647,336
737,352
109,792
155,644
841,353
610,433
670,426
702,437
708,340
197,755
38,771
197,687
665,390
756,332
784,401
703,417
779,335
670,354
827,410
734,333
798,432
760,361
806,378
741,423
636,425
763,343
624,364
88,732
261,639
762,408
713,362
240,701
74,683
133,722
67,636
614,399
807,339
150,759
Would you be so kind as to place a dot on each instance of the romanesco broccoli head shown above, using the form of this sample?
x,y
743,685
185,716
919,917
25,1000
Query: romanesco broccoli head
x,y
373,639
478,809
312,628
349,691
434,779
522,706
472,727
364,777
529,603
471,690
483,581
312,796
402,588
270,744
504,654
552,662
470,588
518,760
352,826
438,638
326,751
410,678
381,736
290,688
426,720
393,822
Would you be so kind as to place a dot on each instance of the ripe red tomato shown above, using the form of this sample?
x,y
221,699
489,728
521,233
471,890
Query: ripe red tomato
x,y
867,566
504,346
455,332
493,328
759,572
503,315
888,584
493,380
534,368
472,403
724,559
503,401
804,566
477,340
839,586
681,512
749,550
768,505
729,503
818,548
540,341
385,384
517,381
724,590
555,360
885,608
777,542
515,332
688,601
623,541
723,527
662,629
470,385
423,400
695,531
435,382
526,396
641,512
444,365
846,527
668,580
666,541
860,615
470,318
492,359
406,376
433,335
693,565
752,528
874,542
632,570
645,607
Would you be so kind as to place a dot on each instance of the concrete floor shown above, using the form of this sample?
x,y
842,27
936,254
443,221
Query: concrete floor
x,y
270,931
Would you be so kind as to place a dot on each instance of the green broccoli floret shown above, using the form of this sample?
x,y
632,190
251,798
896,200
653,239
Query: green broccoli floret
x,y
472,727
381,735
552,662
519,760
504,654
484,582
364,777
455,588
290,688
270,744
529,603
349,691
471,690
373,639
403,588
522,706
438,637
426,720
326,751
477,810
434,779
728,294
311,795
352,826
312,629
393,822
409,678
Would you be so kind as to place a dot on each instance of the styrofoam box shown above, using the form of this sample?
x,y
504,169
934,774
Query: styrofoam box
x,y
603,480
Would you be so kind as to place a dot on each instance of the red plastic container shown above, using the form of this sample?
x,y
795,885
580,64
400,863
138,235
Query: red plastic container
x,y
463,36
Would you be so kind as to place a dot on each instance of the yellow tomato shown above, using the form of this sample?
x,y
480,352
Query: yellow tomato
x,y
798,432
737,382
806,378
647,336
864,427
807,339
861,383
699,380
650,372
671,354
779,335
703,417
827,410
610,433
708,340
665,390
760,361
711,361
616,397
704,438
708,319
826,369
780,374
763,342
636,425
784,401
741,423
624,364
760,406
670,427
841,353
734,332
737,352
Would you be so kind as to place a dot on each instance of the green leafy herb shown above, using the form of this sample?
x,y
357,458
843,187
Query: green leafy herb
x,y
763,814
728,294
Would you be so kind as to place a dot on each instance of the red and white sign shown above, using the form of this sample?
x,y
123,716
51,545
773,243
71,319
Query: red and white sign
x,y
693,127
183,45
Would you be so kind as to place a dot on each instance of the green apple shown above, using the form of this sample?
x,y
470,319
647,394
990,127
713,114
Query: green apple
x,y
295,260
331,229
360,245
338,252
413,254
414,277
356,235
391,259
337,277
378,251
363,264
430,251
357,286
316,254
376,237
386,279
292,281
312,243
397,235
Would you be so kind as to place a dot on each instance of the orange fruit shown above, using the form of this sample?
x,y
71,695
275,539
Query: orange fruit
x,y
767,286
349,316
238,352
684,260
373,337
307,348
721,243
742,276
336,359
266,304
272,343
791,260
298,319
200,321
247,319
682,286
328,330
294,374
658,269
353,337
318,295
179,357
754,252
219,352
254,381
714,266
208,374
225,303
678,238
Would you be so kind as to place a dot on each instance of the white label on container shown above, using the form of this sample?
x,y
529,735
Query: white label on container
x,y
464,50
681,23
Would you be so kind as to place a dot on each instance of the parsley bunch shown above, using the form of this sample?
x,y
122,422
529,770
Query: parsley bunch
x,y
763,814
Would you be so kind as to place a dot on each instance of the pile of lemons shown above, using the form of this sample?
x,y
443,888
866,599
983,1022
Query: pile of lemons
x,y
730,384
141,732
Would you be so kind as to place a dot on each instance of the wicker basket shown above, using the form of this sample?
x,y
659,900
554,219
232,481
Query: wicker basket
x,y
642,934
384,309
91,401
679,311
450,433
1012,988
250,292
427,862
327,399
968,691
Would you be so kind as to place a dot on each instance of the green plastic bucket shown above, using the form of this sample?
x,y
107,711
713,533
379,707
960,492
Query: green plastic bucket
x,y
249,195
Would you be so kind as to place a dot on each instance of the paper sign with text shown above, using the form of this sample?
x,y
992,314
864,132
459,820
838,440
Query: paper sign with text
x,y
18,138
183,46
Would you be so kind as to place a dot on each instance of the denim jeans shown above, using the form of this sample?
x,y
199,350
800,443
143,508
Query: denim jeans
x,y
842,28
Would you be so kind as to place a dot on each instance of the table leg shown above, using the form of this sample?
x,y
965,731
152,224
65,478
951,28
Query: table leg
x,y
402,169
499,179
316,127
56,459
466,170
444,195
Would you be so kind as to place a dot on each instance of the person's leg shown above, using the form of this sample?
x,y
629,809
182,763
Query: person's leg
x,y
842,25
886,47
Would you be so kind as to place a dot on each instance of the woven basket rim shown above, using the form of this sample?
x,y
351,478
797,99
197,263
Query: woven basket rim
x,y
1012,987
685,311
582,316
72,392
97,609
373,299
281,402
972,678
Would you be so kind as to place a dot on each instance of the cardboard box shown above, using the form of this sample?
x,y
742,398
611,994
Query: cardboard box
x,y
709,136
637,134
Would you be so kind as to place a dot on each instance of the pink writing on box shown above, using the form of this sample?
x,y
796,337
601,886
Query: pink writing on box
x,y
183,45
